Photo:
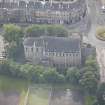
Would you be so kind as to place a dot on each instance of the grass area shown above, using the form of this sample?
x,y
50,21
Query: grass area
x,y
100,33
89,100
8,84
39,94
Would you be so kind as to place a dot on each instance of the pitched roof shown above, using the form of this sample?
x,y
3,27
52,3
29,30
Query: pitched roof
x,y
55,44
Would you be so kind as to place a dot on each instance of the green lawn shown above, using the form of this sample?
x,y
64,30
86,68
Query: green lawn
x,y
8,84
39,95
89,100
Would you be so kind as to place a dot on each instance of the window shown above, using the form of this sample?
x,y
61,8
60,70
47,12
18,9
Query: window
x,y
59,54
26,49
31,49
53,53
36,49
66,54
63,54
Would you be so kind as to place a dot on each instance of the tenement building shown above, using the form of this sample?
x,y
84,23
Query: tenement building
x,y
59,52
43,12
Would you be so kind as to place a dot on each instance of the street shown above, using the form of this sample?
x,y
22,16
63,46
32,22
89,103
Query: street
x,y
96,17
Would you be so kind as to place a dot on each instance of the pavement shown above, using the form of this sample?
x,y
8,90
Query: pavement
x,y
101,62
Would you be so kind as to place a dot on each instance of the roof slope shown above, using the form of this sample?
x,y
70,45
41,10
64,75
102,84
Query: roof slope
x,y
55,44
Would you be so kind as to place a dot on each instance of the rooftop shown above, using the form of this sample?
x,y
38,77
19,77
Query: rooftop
x,y
55,44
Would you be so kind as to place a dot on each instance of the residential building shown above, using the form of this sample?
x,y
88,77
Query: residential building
x,y
66,12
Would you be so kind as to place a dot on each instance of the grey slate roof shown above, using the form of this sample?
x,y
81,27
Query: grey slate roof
x,y
55,44
38,5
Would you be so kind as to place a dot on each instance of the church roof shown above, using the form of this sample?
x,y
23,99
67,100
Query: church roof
x,y
55,44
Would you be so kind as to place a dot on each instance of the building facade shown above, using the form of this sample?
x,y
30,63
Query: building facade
x,y
59,52
43,12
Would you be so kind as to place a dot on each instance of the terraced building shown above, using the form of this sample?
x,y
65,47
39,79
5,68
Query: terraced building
x,y
43,12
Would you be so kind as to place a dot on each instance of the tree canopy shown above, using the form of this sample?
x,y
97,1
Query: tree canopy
x,y
46,30
12,33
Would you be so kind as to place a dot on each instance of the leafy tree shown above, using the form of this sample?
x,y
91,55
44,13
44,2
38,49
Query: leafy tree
x,y
52,76
12,33
93,70
14,69
24,71
91,61
5,67
37,74
73,75
35,31
15,52
101,94
48,30
56,30
89,82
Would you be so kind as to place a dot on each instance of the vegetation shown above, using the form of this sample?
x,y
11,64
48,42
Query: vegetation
x,y
39,94
86,78
73,75
89,100
101,95
46,30
100,33
12,33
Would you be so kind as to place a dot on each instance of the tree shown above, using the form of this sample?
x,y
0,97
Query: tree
x,y
15,51
91,61
88,81
37,73
12,33
93,70
14,69
52,76
35,31
46,30
5,67
73,75
101,94
57,30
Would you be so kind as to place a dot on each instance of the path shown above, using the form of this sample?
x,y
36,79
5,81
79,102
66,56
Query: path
x,y
101,61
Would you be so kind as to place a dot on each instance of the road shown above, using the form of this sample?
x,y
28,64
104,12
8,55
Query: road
x,y
96,18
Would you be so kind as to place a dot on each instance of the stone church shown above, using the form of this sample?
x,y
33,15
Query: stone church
x,y
60,52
